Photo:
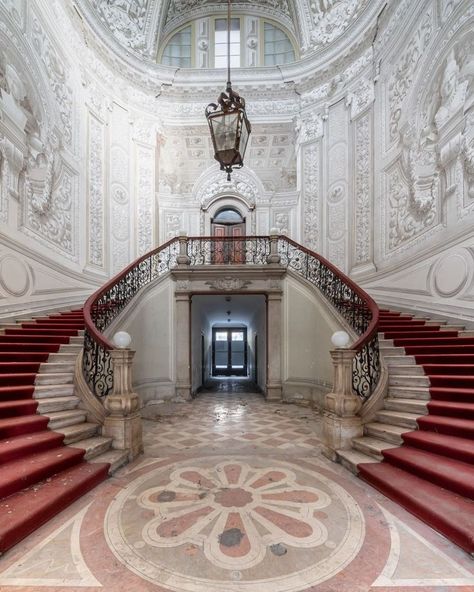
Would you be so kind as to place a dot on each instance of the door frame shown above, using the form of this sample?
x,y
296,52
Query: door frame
x,y
229,372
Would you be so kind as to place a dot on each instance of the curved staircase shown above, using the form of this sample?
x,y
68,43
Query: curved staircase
x,y
40,418
425,433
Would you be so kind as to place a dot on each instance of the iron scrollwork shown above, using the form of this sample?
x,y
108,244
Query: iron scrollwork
x,y
351,305
337,290
96,361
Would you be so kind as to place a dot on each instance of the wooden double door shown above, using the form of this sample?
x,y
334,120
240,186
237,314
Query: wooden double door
x,y
228,251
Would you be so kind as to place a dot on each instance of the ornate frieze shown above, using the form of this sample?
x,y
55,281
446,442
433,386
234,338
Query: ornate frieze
x,y
95,184
404,73
57,75
363,214
311,195
145,172
331,18
120,188
126,19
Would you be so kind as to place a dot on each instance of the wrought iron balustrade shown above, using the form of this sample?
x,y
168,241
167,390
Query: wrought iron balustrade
x,y
355,306
236,250
104,306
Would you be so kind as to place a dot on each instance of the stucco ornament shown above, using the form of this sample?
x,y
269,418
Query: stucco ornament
x,y
452,91
126,19
331,18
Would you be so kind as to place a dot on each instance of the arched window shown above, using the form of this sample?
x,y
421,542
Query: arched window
x,y
277,47
178,50
228,216
202,43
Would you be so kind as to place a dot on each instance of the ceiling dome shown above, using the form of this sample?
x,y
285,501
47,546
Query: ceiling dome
x,y
140,26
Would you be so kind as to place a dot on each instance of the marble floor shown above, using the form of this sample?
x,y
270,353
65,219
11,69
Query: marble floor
x,y
233,495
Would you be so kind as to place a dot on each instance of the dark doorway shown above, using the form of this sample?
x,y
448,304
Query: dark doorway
x,y
229,351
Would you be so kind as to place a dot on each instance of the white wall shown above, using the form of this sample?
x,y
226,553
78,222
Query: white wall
x,y
150,320
308,324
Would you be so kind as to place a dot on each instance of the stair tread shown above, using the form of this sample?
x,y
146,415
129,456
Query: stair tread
x,y
372,442
456,443
23,512
438,507
387,427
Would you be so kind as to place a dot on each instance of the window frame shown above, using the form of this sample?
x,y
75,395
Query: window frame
x,y
211,52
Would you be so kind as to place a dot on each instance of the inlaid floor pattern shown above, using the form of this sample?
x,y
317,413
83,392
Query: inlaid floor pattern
x,y
234,495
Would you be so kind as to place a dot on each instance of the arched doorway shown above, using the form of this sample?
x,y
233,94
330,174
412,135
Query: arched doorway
x,y
228,221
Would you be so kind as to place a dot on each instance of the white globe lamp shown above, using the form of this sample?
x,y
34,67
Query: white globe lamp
x,y
340,339
122,339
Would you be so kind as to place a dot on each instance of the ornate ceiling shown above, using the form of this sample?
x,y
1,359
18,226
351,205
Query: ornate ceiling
x,y
138,25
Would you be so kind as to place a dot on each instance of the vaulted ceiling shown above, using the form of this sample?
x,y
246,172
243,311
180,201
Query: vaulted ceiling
x,y
139,25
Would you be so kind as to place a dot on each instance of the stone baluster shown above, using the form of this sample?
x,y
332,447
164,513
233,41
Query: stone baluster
x,y
273,257
123,423
340,422
183,258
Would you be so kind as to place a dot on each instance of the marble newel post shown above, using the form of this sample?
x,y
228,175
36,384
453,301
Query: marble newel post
x,y
341,423
124,422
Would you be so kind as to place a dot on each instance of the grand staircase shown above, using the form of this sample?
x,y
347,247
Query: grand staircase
x,y
45,438
425,432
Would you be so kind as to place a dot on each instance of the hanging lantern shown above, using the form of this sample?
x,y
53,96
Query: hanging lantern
x,y
228,122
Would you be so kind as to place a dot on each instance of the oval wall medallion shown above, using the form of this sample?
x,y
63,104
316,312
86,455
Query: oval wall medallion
x,y
451,274
15,277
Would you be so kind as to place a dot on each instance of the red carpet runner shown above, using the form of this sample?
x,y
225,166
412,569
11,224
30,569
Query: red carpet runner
x,y
39,475
432,473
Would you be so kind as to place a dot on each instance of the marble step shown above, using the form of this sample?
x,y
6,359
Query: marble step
x,y
55,378
406,392
49,405
402,360
407,405
398,418
116,458
53,390
80,431
351,458
67,348
62,419
406,370
94,446
408,380
62,358
372,446
58,367
392,351
387,432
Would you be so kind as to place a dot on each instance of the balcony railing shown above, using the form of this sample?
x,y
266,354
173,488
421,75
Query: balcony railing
x,y
354,305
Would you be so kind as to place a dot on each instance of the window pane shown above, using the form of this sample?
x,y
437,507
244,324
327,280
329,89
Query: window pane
x,y
221,336
178,50
220,40
238,336
277,46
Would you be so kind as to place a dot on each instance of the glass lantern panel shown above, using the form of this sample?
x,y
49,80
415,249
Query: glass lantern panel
x,y
244,138
225,129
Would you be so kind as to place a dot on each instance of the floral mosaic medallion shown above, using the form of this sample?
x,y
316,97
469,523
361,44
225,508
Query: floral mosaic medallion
x,y
213,524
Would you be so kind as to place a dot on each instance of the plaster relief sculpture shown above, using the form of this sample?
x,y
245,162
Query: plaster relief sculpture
x,y
404,73
452,91
56,72
126,19
228,284
331,18
311,196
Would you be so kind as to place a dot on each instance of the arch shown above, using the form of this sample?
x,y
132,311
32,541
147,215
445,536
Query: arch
x,y
212,191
